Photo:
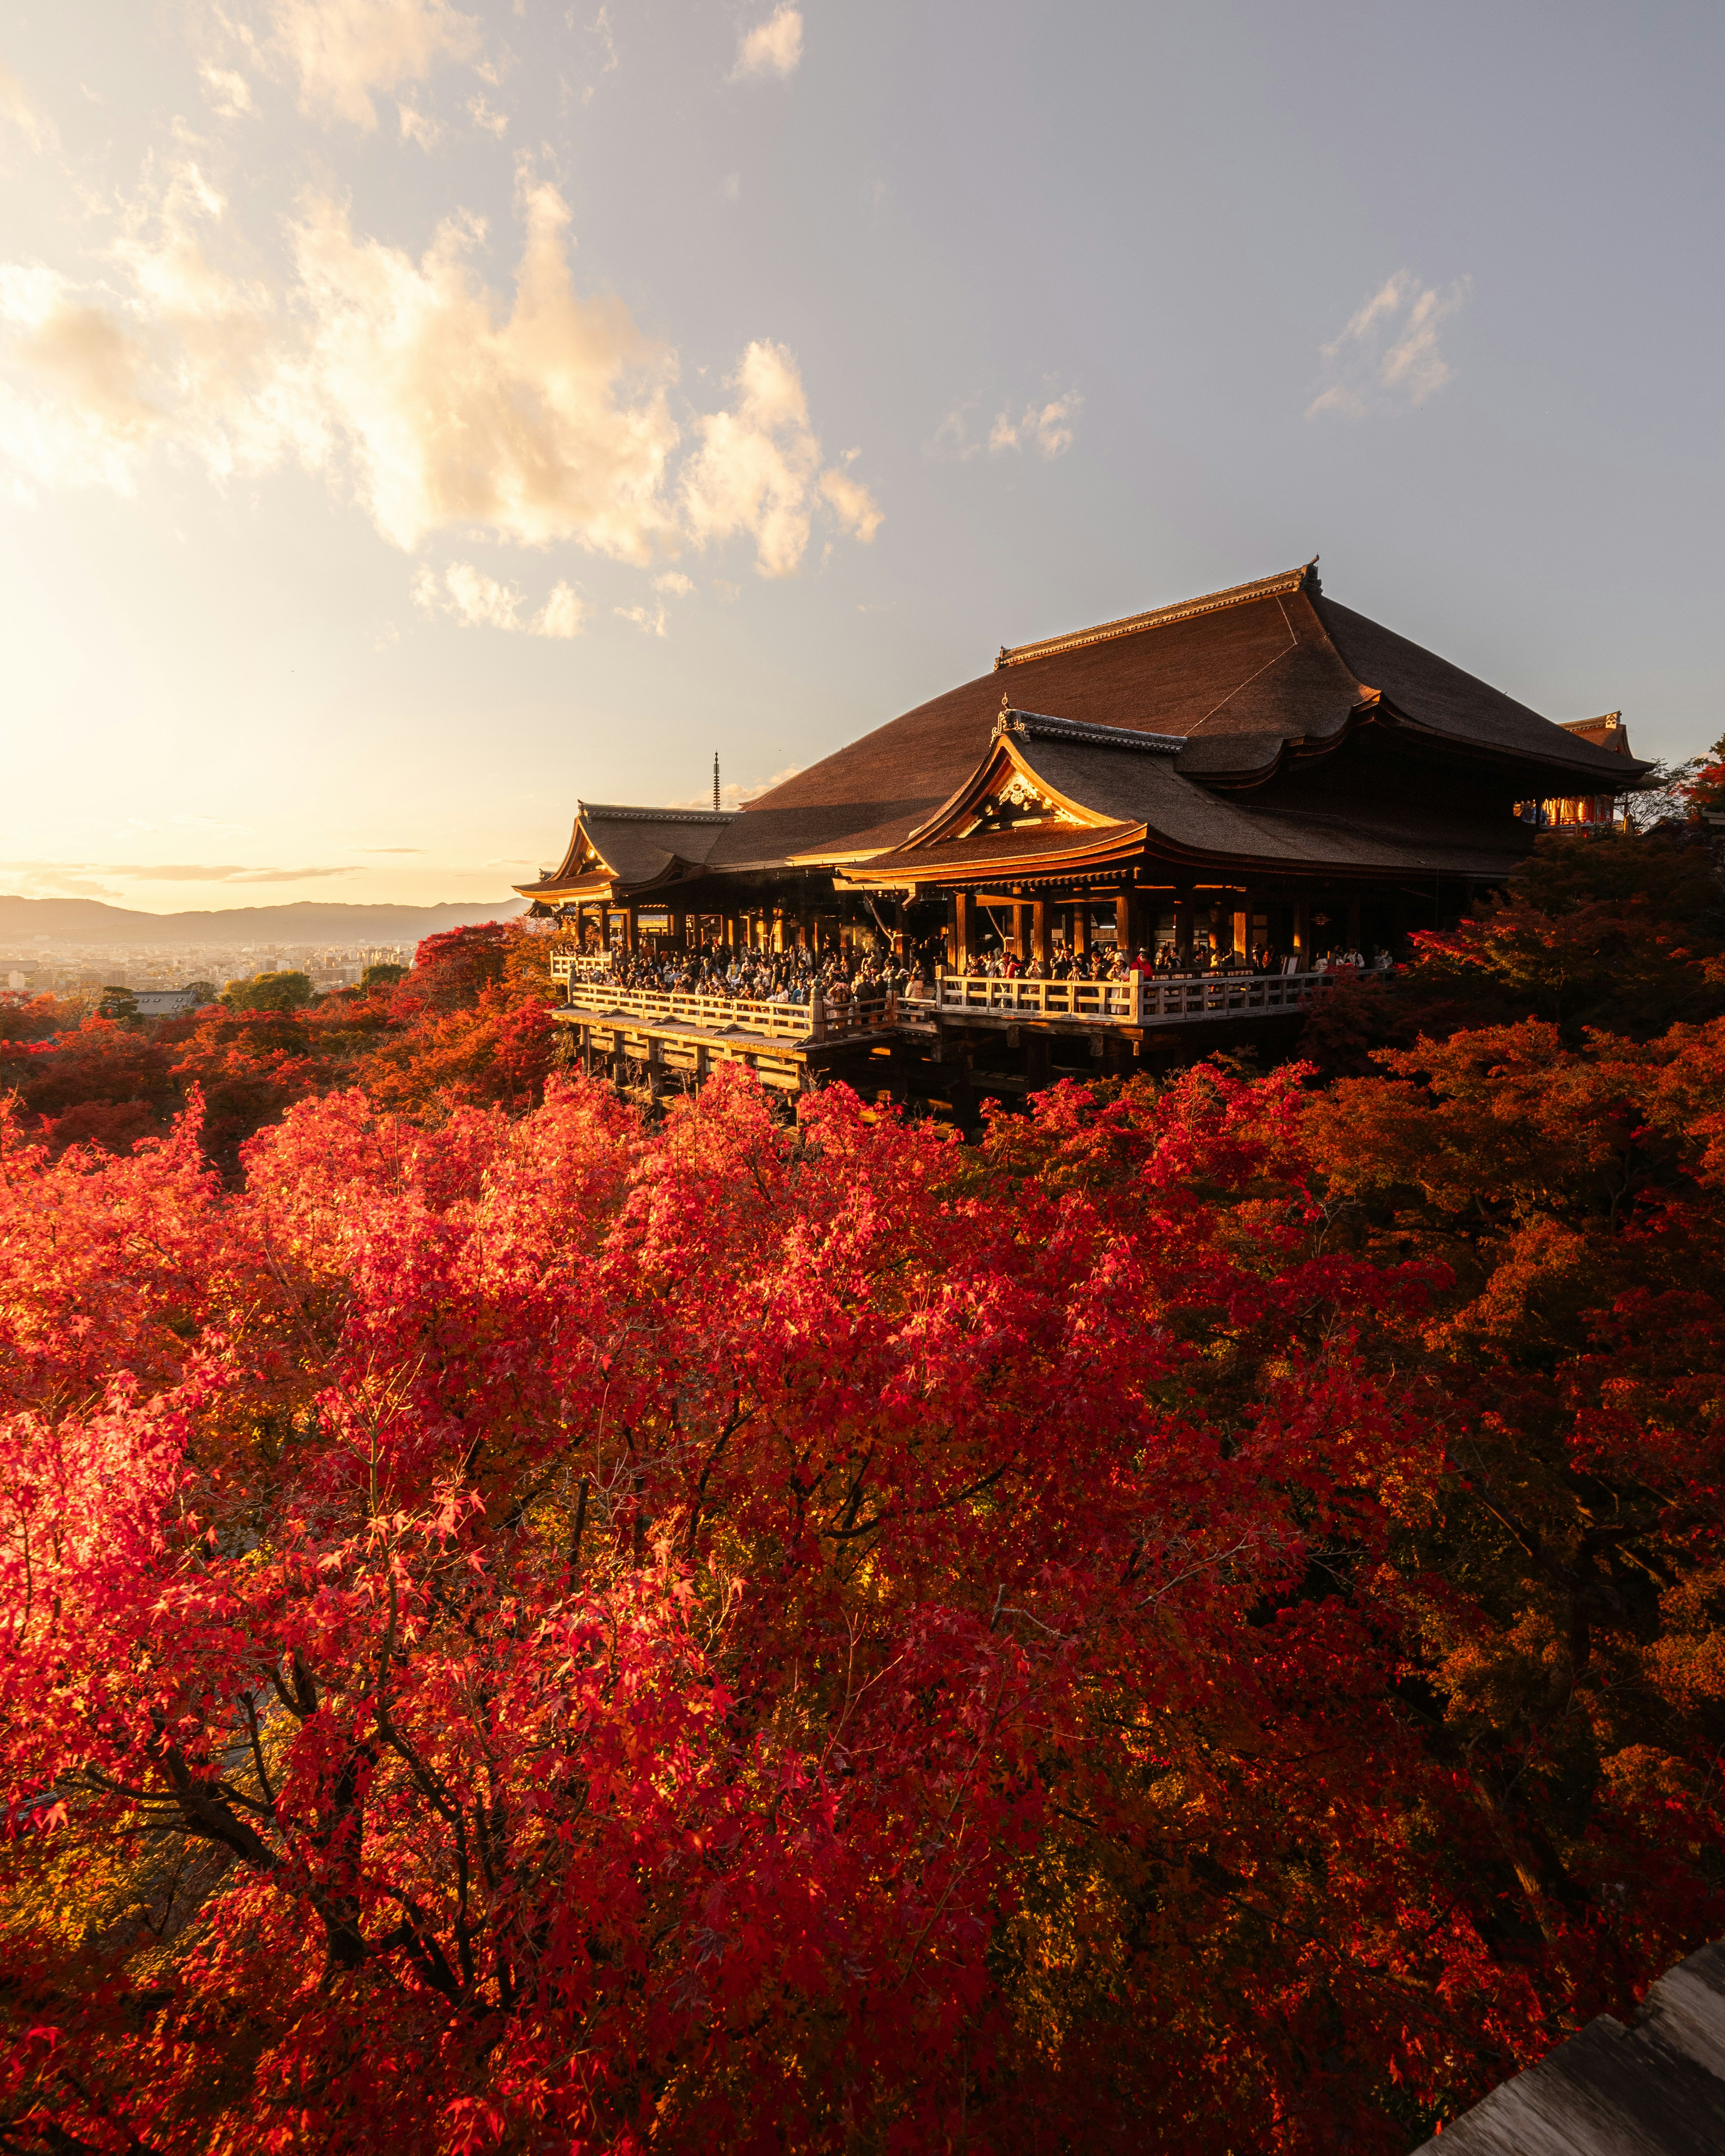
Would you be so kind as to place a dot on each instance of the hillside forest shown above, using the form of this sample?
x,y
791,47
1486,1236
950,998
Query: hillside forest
x,y
1197,1622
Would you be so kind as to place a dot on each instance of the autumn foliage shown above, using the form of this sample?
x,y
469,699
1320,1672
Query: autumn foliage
x,y
468,1025
1193,1624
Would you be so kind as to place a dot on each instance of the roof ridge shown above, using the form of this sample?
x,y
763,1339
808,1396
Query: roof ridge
x,y
1581,726
1009,720
655,815
1289,580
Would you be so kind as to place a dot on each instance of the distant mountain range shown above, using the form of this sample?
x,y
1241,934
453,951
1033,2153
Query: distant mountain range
x,y
311,920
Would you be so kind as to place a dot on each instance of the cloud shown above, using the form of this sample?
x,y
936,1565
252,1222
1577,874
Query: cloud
x,y
68,874
561,615
551,424
185,352
757,468
643,618
416,126
342,50
545,417
851,503
773,47
1387,360
676,582
1047,428
228,90
38,131
478,601
481,114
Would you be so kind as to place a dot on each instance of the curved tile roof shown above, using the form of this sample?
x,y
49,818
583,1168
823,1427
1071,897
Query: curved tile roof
x,y
1235,672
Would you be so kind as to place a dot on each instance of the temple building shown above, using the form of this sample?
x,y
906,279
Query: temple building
x,y
1260,770
1583,811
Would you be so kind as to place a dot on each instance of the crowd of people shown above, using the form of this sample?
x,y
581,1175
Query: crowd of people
x,y
744,975
765,977
1167,962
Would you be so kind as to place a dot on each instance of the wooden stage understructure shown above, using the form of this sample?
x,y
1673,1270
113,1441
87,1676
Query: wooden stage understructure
x,y
960,1041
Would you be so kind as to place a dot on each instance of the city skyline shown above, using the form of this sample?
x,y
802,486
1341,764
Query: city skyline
x,y
415,416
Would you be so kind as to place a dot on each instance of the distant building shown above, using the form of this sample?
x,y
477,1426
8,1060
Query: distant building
x,y
165,1003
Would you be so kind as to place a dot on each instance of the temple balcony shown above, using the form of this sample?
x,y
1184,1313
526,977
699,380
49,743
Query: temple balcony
x,y
1135,1002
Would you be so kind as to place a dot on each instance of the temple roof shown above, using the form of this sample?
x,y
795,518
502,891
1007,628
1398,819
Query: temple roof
x,y
633,847
1608,731
1246,699
1089,794
1234,674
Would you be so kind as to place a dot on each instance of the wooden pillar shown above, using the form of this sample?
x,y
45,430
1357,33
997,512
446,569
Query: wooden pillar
x,y
1302,931
1024,935
1081,929
964,930
1243,923
900,927
1042,950
1182,927
631,940
1125,921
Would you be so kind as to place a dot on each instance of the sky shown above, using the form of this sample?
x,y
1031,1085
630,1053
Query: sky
x,y
415,417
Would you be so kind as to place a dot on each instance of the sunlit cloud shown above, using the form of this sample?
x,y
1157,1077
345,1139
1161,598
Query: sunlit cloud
x,y
551,424
343,50
477,601
18,113
481,114
772,48
546,420
1387,358
72,878
675,582
228,90
651,620
416,126
757,469
1046,429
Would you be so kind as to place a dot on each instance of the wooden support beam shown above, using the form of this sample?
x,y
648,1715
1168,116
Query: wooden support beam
x,y
1303,930
1243,923
1182,927
964,930
1080,928
1042,949
1125,921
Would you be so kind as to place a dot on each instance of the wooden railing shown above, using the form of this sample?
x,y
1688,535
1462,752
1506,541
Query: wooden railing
x,y
580,965
1135,1001
818,1019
